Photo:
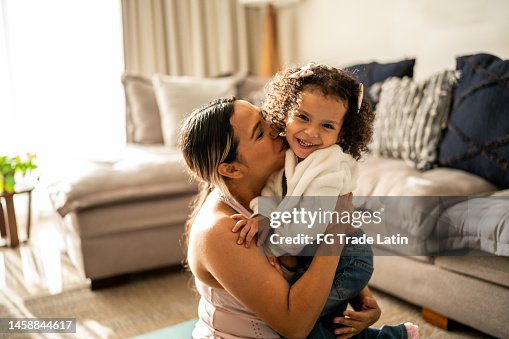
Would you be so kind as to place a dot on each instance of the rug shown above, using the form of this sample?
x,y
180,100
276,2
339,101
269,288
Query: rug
x,y
154,301
182,330
144,304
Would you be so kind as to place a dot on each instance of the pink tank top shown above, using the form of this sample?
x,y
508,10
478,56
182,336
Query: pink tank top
x,y
220,315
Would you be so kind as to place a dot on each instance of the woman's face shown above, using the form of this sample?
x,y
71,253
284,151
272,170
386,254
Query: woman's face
x,y
315,124
259,149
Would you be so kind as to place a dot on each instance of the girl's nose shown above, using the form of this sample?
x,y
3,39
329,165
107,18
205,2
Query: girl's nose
x,y
312,132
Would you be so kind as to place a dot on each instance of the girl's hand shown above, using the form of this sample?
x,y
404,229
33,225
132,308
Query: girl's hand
x,y
357,321
248,229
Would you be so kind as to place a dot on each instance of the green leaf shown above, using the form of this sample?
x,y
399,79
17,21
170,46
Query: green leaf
x,y
9,166
9,183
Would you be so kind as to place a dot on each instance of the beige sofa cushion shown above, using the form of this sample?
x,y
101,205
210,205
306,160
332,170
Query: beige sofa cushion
x,y
380,176
179,95
143,120
134,174
413,202
480,223
252,89
132,216
489,268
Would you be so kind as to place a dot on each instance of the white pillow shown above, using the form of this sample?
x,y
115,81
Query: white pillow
x,y
179,95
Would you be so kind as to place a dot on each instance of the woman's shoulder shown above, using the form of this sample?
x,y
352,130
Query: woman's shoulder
x,y
210,235
213,219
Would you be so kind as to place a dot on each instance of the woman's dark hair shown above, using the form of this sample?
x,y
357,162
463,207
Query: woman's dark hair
x,y
207,139
283,97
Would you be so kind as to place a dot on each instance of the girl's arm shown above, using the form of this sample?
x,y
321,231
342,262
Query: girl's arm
x,y
246,274
358,302
366,313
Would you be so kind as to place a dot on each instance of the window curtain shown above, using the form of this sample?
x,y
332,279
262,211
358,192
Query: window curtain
x,y
184,37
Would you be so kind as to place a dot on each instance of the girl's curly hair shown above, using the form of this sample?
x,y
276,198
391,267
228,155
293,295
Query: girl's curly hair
x,y
283,97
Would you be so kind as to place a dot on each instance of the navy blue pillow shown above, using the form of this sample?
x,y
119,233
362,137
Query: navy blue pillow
x,y
374,72
477,136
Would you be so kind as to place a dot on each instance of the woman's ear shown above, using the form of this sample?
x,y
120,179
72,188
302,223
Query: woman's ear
x,y
232,170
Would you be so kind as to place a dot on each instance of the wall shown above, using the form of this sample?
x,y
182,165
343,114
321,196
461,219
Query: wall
x,y
435,32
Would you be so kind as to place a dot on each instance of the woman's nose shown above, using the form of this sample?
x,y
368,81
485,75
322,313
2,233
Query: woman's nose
x,y
273,133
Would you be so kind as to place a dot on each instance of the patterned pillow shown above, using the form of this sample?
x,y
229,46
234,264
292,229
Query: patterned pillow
x,y
411,117
477,138
374,72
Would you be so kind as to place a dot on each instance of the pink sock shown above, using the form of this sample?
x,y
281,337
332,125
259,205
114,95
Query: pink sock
x,y
412,330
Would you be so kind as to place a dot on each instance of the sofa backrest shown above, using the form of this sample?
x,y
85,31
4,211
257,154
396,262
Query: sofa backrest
x,y
143,116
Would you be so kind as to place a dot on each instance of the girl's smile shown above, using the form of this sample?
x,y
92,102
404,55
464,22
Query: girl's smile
x,y
316,123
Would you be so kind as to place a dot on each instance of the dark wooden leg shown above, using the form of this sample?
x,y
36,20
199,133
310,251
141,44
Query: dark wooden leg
x,y
29,217
98,284
435,318
12,227
3,230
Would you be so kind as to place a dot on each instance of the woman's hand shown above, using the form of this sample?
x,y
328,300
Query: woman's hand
x,y
357,321
274,262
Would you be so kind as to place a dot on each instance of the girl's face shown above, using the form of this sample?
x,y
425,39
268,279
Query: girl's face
x,y
259,149
316,123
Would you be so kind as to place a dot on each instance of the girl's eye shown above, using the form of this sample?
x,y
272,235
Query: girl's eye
x,y
260,135
328,126
302,117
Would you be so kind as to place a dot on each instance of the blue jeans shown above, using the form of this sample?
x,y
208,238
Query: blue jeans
x,y
385,332
354,270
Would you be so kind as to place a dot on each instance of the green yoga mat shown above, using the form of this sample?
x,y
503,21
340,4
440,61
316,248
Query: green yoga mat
x,y
178,331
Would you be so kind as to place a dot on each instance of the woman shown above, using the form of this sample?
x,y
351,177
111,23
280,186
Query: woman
x,y
230,147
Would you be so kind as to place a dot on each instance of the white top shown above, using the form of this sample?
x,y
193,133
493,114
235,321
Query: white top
x,y
222,316
325,173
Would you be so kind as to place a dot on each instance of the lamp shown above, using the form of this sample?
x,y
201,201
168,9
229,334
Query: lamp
x,y
269,51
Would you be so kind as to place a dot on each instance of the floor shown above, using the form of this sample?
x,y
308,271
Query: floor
x,y
39,266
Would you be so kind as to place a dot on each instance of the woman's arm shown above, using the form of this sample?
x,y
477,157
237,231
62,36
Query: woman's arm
x,y
291,310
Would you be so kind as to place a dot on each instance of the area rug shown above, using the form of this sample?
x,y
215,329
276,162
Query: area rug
x,y
144,304
155,301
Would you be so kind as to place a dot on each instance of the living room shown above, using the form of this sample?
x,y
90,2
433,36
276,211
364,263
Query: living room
x,y
96,91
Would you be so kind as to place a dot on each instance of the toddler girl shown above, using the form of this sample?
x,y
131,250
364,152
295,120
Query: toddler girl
x,y
321,112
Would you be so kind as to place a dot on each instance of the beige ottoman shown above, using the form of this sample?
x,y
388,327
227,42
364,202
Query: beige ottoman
x,y
127,214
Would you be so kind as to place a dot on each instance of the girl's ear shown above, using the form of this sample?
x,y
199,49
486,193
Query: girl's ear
x,y
339,135
232,170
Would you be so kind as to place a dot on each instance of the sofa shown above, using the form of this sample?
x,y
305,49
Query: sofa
x,y
124,214
457,276
438,168
442,190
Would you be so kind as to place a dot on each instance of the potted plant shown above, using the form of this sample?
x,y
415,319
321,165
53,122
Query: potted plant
x,y
10,166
